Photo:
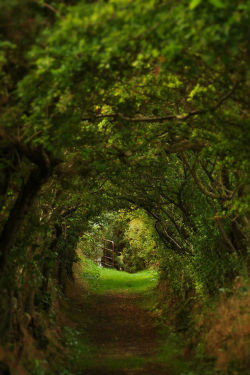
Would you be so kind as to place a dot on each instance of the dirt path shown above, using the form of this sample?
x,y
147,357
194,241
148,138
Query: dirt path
x,y
122,327
122,333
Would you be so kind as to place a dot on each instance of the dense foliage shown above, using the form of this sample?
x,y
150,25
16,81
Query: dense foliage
x,y
119,104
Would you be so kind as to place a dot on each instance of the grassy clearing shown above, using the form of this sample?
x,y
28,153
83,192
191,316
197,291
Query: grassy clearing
x,y
103,280
113,280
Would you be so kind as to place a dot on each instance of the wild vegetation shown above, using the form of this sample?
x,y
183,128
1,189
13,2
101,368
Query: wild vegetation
x,y
127,119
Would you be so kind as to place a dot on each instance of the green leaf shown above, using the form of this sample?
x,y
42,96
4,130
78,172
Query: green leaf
x,y
194,4
217,3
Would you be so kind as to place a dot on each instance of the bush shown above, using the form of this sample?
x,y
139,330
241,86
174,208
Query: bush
x,y
227,337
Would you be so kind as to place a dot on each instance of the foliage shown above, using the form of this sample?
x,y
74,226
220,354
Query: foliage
x,y
227,329
133,236
109,225
141,250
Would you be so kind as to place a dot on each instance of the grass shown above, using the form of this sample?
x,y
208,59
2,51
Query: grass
x,y
103,280
169,354
82,353
113,280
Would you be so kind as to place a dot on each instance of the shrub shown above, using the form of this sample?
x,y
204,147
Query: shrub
x,y
227,337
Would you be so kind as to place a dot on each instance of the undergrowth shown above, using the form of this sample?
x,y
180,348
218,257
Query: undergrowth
x,y
213,336
227,330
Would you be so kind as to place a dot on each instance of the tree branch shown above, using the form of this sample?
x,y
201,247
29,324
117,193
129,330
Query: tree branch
x,y
141,118
224,233
184,146
48,6
198,181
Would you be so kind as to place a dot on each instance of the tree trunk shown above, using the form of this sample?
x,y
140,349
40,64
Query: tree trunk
x,y
18,212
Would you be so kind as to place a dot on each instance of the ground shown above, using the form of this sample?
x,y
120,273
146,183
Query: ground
x,y
110,330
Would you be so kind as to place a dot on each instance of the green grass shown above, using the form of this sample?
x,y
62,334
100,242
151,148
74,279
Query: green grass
x,y
113,280
104,280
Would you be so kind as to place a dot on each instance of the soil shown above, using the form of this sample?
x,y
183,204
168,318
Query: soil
x,y
122,333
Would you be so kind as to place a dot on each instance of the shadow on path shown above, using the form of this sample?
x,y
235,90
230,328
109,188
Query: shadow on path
x,y
121,332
